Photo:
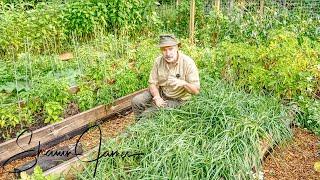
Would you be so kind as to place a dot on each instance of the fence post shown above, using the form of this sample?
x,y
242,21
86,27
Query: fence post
x,y
217,5
178,2
191,24
231,2
242,5
261,7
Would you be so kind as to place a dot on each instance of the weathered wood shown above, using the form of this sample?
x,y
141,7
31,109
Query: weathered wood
x,y
53,134
50,159
66,56
73,166
74,89
178,2
191,23
261,10
50,132
70,168
264,146
231,4
217,5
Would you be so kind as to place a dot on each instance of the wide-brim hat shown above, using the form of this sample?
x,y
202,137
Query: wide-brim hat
x,y
168,40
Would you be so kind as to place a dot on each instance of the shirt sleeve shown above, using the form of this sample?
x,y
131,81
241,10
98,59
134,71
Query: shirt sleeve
x,y
153,77
193,75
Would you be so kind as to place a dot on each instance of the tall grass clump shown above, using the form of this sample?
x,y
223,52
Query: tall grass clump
x,y
214,135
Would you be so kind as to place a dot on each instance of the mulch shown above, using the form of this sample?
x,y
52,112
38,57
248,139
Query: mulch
x,y
294,160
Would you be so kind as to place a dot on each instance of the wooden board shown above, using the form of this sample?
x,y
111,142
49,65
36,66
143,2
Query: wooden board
x,y
70,168
53,134
50,132
66,56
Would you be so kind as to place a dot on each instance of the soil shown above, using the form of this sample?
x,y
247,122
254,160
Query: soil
x,y
71,110
89,140
295,160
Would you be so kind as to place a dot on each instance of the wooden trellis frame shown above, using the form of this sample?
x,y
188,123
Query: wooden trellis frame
x,y
192,16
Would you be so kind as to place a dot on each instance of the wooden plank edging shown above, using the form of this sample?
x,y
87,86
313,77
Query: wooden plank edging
x,y
69,169
53,134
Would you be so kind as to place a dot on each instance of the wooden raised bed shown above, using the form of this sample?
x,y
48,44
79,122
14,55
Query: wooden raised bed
x,y
70,168
53,134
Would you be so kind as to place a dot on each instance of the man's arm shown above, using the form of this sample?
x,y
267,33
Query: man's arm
x,y
191,88
156,96
154,90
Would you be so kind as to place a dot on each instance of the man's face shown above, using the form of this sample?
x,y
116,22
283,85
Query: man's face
x,y
170,53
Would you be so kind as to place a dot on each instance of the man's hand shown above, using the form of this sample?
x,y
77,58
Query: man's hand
x,y
159,101
176,82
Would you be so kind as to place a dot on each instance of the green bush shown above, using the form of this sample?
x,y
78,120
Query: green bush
x,y
283,67
49,26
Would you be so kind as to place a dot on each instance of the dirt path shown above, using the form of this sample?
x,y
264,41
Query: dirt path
x,y
90,140
296,160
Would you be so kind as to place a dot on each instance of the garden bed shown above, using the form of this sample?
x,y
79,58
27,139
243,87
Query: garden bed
x,y
109,129
295,159
51,135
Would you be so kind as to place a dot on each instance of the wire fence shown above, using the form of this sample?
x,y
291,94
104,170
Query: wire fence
x,y
227,6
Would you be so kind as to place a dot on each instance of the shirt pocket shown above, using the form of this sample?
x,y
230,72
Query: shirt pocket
x,y
163,79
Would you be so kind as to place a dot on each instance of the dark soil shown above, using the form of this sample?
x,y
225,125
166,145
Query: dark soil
x,y
71,110
295,160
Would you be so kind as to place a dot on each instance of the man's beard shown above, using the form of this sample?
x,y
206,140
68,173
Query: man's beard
x,y
169,58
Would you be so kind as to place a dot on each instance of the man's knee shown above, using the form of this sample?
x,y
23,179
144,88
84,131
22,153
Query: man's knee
x,y
136,101
141,99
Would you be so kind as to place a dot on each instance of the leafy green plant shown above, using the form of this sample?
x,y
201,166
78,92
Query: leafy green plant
x,y
38,175
283,67
85,98
308,115
53,112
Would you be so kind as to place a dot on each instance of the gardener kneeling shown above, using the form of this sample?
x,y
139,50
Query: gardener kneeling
x,y
173,78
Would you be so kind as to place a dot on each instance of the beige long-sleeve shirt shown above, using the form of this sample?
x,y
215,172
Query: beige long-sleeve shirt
x,y
185,67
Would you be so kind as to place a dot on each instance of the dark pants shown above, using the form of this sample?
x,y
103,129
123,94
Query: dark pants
x,y
143,104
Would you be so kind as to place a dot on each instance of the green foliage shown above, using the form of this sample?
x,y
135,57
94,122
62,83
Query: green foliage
x,y
38,29
38,175
11,116
282,67
213,136
85,98
53,112
177,19
309,114
46,90
49,26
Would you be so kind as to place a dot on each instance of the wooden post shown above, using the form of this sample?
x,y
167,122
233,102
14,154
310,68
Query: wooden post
x,y
261,7
217,5
178,2
192,15
242,5
231,2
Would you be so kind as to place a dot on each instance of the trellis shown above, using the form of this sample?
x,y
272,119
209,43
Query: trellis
x,y
310,6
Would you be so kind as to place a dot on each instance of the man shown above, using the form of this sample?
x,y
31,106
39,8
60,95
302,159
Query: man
x,y
173,78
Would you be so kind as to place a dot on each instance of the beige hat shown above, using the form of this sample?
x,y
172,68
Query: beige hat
x,y
168,40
